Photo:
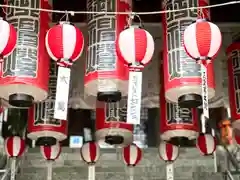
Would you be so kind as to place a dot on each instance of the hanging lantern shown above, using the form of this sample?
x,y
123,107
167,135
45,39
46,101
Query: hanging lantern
x,y
202,41
206,144
132,155
50,153
8,39
182,76
177,125
24,76
169,153
111,126
135,47
65,45
14,147
233,53
90,153
42,125
105,76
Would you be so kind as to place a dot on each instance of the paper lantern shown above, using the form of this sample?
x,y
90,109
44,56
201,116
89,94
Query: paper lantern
x,y
111,127
8,39
206,144
51,152
105,76
135,47
132,155
233,54
65,45
90,153
168,152
24,76
202,41
14,146
177,125
182,75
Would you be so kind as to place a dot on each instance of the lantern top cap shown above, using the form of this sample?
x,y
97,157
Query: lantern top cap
x,y
201,20
64,22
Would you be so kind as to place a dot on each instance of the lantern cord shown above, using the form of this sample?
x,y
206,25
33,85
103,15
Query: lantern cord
x,y
49,170
114,13
91,172
169,171
204,94
13,168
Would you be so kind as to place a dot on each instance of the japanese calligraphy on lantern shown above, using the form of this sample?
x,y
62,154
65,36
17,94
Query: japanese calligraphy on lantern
x,y
101,33
44,111
23,61
180,65
177,115
235,56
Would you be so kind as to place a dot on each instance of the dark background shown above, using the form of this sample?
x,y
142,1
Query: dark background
x,y
228,13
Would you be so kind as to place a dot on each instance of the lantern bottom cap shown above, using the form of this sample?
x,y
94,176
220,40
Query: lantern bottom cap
x,y
21,100
176,136
114,139
102,134
189,101
34,134
182,141
46,141
112,96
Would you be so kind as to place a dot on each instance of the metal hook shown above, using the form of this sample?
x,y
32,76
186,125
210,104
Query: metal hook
x,y
65,15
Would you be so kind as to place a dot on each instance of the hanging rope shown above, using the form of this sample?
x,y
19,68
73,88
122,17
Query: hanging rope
x,y
114,13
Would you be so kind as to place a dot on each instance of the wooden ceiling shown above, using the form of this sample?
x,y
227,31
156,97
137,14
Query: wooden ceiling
x,y
219,14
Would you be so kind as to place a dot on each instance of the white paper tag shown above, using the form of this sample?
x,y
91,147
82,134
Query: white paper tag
x,y
204,91
134,97
62,93
169,171
76,141
87,134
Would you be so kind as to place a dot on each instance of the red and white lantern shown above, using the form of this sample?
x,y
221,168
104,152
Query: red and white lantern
x,y
90,153
65,44
182,76
105,76
135,47
14,147
111,127
168,152
233,54
8,39
202,41
24,74
206,144
176,123
50,153
132,155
